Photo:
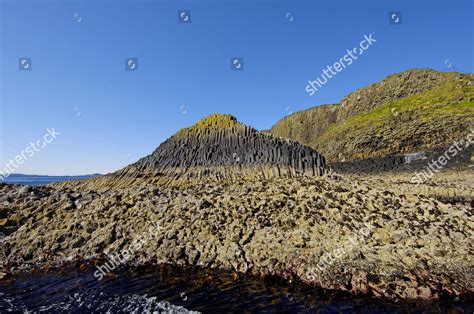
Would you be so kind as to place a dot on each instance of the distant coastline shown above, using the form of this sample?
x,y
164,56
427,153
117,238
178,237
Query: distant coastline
x,y
35,180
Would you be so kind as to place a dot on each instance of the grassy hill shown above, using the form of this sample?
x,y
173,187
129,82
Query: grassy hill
x,y
409,111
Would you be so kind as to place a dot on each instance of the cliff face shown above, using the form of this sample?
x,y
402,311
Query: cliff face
x,y
216,148
308,125
406,112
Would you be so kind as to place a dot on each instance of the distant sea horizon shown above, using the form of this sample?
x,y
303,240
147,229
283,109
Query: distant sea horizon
x,y
34,180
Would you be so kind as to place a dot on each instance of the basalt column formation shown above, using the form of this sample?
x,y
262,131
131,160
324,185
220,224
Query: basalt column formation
x,y
216,148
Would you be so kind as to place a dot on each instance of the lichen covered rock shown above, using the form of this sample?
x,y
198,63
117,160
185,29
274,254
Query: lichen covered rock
x,y
341,235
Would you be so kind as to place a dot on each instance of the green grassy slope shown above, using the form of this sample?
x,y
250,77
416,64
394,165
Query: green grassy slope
x,y
424,120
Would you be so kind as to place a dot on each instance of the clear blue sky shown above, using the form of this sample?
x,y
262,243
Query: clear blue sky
x,y
109,117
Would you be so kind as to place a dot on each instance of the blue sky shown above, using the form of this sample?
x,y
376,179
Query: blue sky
x,y
109,117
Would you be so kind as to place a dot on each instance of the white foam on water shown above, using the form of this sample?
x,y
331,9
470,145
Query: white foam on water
x,y
100,302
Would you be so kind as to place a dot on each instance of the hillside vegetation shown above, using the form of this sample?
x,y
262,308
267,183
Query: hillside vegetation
x,y
410,111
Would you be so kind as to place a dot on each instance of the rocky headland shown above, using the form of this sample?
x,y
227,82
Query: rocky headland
x,y
412,111
221,194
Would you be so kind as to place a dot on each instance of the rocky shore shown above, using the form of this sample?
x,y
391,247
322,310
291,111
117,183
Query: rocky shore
x,y
340,234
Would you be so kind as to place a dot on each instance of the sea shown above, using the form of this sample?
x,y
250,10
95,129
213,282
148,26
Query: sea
x,y
169,290
34,180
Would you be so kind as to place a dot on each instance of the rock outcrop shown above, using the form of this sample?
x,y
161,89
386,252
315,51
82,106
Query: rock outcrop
x,y
343,235
216,148
307,125
416,110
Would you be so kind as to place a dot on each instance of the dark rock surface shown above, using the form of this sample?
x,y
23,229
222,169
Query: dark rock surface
x,y
463,158
237,145
216,148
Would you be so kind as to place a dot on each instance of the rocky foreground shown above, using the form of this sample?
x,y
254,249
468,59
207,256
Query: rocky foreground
x,y
340,235
450,186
